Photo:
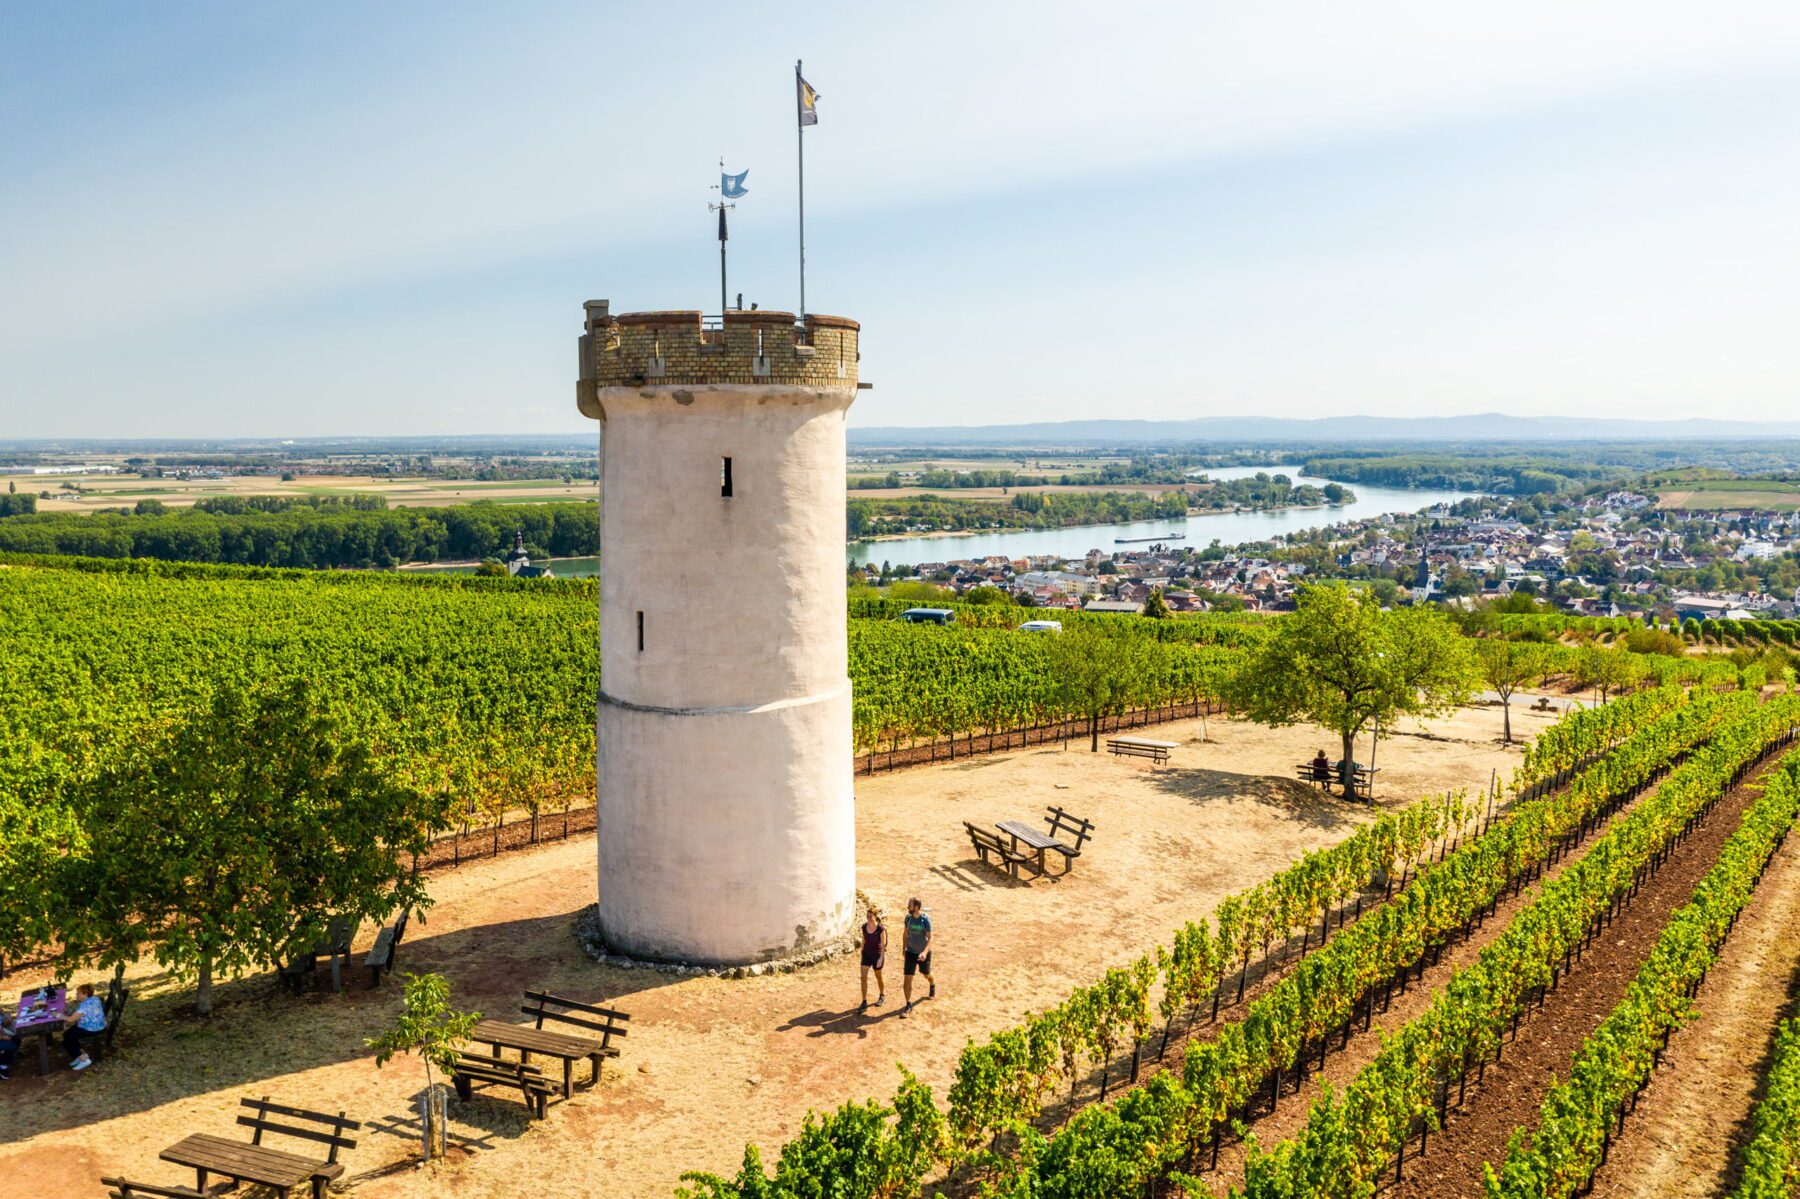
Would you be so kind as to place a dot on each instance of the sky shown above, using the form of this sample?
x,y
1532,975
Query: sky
x,y
256,220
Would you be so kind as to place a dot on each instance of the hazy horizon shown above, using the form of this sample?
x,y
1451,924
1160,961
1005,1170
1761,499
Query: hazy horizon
x,y
218,222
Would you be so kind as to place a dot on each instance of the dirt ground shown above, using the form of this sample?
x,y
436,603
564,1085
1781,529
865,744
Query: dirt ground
x,y
1692,1122
710,1063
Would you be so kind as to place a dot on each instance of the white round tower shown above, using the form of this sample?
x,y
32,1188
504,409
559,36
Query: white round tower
x,y
727,819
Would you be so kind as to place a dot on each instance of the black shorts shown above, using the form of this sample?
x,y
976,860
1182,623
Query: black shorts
x,y
916,963
874,961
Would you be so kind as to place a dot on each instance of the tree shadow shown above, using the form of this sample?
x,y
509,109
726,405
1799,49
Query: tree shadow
x,y
257,1032
1297,800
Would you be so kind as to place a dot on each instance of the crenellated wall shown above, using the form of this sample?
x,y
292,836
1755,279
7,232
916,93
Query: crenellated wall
x,y
638,349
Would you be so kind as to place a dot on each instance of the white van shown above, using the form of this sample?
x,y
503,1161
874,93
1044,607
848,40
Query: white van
x,y
1041,626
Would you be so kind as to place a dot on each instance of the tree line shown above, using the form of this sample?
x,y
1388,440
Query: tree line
x,y
274,531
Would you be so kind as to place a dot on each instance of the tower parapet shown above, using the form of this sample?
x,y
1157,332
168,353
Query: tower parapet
x,y
647,349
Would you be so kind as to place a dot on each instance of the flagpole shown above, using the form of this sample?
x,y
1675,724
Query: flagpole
x,y
800,140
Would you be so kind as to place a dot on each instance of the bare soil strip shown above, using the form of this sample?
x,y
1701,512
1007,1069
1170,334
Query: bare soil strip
x,y
1509,1096
1683,1139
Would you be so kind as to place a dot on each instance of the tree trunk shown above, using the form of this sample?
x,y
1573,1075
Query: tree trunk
x,y
1506,718
1349,788
1093,732
203,989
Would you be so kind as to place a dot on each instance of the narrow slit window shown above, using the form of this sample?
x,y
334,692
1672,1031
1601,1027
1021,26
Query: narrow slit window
x,y
725,478
640,632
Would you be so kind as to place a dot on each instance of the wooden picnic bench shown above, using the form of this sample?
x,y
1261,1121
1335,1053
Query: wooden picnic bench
x,y
1060,825
568,1047
334,945
114,1004
254,1162
995,852
124,1188
1312,772
473,1070
1140,747
381,954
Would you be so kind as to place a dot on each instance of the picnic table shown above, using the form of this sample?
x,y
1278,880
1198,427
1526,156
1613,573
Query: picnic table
x,y
334,945
1141,747
497,1035
41,1012
253,1161
1034,840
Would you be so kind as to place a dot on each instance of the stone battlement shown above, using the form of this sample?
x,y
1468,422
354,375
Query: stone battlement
x,y
648,349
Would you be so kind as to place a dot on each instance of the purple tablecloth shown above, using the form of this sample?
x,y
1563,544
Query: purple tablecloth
x,y
34,1013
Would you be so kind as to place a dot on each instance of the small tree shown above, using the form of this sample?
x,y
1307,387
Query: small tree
x,y
1156,607
429,1027
1096,674
1506,666
1342,662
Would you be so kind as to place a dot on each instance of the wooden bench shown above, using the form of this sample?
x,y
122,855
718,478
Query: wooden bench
x,y
995,852
1140,747
1063,826
273,1168
381,954
114,1004
1543,705
124,1188
473,1070
1308,772
565,1046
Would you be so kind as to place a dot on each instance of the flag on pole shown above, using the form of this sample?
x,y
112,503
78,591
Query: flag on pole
x,y
732,186
809,101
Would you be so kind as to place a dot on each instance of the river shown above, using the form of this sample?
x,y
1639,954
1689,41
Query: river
x,y
1230,528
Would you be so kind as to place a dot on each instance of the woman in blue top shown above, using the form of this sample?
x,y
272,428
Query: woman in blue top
x,y
88,1019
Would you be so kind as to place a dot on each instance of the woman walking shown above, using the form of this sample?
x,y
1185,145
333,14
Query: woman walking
x,y
874,956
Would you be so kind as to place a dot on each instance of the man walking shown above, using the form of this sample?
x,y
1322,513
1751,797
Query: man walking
x,y
918,952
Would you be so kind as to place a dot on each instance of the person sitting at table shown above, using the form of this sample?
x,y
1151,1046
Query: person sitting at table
x,y
9,1045
88,1018
1321,768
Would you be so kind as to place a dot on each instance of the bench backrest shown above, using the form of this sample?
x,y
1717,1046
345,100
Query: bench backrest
x,y
400,926
116,995
335,1138
983,837
124,1188
1061,822
605,1021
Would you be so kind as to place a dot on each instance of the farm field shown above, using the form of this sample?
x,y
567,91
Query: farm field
x,y
710,1064
1700,495
111,491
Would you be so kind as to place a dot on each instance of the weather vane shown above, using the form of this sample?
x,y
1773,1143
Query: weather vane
x,y
729,187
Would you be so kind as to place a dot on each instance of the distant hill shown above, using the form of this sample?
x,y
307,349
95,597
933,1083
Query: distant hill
x,y
1488,426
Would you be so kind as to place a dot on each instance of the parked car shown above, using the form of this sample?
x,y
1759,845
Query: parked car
x,y
929,616
1041,626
